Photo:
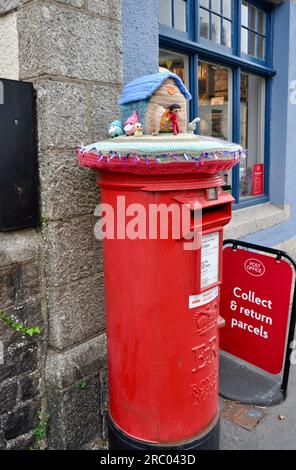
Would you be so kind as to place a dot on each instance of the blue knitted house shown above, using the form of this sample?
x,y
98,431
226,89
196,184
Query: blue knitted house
x,y
150,97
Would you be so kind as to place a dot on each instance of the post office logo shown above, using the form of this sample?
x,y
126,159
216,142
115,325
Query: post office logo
x,y
254,267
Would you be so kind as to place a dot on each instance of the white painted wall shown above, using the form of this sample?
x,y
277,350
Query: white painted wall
x,y
9,62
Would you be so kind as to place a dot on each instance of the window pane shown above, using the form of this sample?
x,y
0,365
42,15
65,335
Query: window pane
x,y
204,23
252,17
176,63
244,41
226,33
252,122
244,14
261,47
261,22
216,29
165,12
216,6
180,20
204,3
214,100
252,43
227,8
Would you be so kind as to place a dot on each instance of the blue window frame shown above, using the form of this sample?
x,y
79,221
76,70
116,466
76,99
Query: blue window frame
x,y
215,21
173,14
253,30
235,103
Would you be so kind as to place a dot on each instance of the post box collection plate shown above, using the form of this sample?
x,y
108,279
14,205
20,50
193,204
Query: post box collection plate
x,y
210,246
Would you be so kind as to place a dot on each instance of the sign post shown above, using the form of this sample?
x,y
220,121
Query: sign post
x,y
259,327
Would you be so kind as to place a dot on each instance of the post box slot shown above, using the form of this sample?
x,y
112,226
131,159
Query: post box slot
x,y
214,215
216,212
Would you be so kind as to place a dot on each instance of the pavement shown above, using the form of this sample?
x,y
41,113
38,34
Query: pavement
x,y
272,433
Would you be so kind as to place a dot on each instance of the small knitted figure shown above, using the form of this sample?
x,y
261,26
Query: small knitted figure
x,y
193,125
129,125
138,129
115,129
173,116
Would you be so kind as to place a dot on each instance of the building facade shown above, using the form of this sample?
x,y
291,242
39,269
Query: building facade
x,y
238,61
237,58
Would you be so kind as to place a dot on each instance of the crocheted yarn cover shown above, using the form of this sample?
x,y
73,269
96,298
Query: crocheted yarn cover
x,y
162,154
143,88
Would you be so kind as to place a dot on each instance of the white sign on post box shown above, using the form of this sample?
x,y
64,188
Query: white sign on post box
x,y
209,259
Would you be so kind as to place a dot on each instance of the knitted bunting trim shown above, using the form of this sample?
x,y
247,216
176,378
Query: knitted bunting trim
x,y
189,152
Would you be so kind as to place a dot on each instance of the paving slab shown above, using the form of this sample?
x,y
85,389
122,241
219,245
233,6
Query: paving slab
x,y
277,431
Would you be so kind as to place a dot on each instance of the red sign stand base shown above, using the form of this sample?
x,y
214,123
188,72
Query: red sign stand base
x,y
246,384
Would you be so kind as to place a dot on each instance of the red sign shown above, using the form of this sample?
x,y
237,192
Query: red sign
x,y
255,302
258,179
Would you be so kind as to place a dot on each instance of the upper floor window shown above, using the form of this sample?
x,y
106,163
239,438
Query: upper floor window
x,y
253,30
214,24
215,21
173,13
225,59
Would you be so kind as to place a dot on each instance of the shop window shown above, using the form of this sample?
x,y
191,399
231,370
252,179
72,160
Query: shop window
x,y
176,63
214,100
252,125
215,21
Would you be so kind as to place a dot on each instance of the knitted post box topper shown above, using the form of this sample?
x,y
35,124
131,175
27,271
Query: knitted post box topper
x,y
154,119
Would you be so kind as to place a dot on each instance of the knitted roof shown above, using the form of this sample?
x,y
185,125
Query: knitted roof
x,y
144,87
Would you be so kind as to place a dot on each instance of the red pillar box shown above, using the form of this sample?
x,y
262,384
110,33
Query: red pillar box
x,y
162,290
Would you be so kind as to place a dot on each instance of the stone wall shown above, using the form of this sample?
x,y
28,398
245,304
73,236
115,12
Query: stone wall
x,y
22,297
71,51
9,66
